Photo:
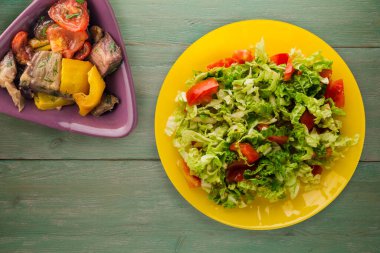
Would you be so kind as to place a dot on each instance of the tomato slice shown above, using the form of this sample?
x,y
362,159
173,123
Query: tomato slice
x,y
289,70
278,139
70,14
193,181
65,41
280,58
84,52
316,170
242,55
235,171
262,127
308,120
335,91
326,73
202,92
247,150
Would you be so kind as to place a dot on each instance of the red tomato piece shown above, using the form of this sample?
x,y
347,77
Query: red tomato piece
x,y
335,91
235,171
242,55
326,73
262,127
278,139
249,152
289,70
202,92
328,152
193,181
308,120
216,64
65,41
229,61
84,52
70,14
316,170
20,48
280,58
233,146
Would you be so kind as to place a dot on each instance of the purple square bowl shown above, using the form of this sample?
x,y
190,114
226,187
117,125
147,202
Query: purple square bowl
x,y
118,123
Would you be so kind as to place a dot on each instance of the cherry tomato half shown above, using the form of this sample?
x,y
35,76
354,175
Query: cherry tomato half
x,y
70,14
84,52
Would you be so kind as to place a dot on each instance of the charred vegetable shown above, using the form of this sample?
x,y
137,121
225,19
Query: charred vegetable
x,y
41,27
106,55
107,104
43,74
96,33
21,49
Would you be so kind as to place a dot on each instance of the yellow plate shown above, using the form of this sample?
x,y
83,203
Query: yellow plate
x,y
279,37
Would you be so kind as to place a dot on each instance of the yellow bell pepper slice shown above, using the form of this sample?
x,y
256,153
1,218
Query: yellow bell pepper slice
x,y
36,43
87,103
45,101
74,76
44,48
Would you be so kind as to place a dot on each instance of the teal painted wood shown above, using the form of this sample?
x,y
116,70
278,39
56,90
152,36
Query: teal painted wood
x,y
107,201
131,206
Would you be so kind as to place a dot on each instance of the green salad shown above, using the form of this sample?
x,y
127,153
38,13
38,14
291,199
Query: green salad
x,y
259,126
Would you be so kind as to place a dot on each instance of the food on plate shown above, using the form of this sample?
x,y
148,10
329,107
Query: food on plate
x,y
62,62
43,73
106,55
8,72
258,126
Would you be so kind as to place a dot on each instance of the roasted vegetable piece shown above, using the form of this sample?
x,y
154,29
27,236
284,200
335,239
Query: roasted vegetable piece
x,y
64,41
87,103
21,49
36,43
74,76
96,33
45,101
106,55
70,14
107,104
44,48
43,74
8,71
84,52
41,27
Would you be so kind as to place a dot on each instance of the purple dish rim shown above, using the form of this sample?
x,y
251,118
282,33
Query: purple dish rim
x,y
116,124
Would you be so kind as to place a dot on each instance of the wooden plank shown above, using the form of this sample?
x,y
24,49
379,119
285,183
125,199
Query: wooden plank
x,y
340,23
150,65
119,206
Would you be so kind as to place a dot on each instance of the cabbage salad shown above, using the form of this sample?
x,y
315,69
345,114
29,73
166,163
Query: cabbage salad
x,y
259,132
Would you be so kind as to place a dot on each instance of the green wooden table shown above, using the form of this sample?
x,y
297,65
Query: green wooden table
x,y
63,192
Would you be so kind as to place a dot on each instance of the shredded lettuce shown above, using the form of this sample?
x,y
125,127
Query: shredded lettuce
x,y
250,94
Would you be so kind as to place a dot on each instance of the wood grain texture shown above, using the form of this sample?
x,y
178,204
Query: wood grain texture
x,y
63,192
131,206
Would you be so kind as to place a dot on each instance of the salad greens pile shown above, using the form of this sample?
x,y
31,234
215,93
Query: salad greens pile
x,y
251,94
